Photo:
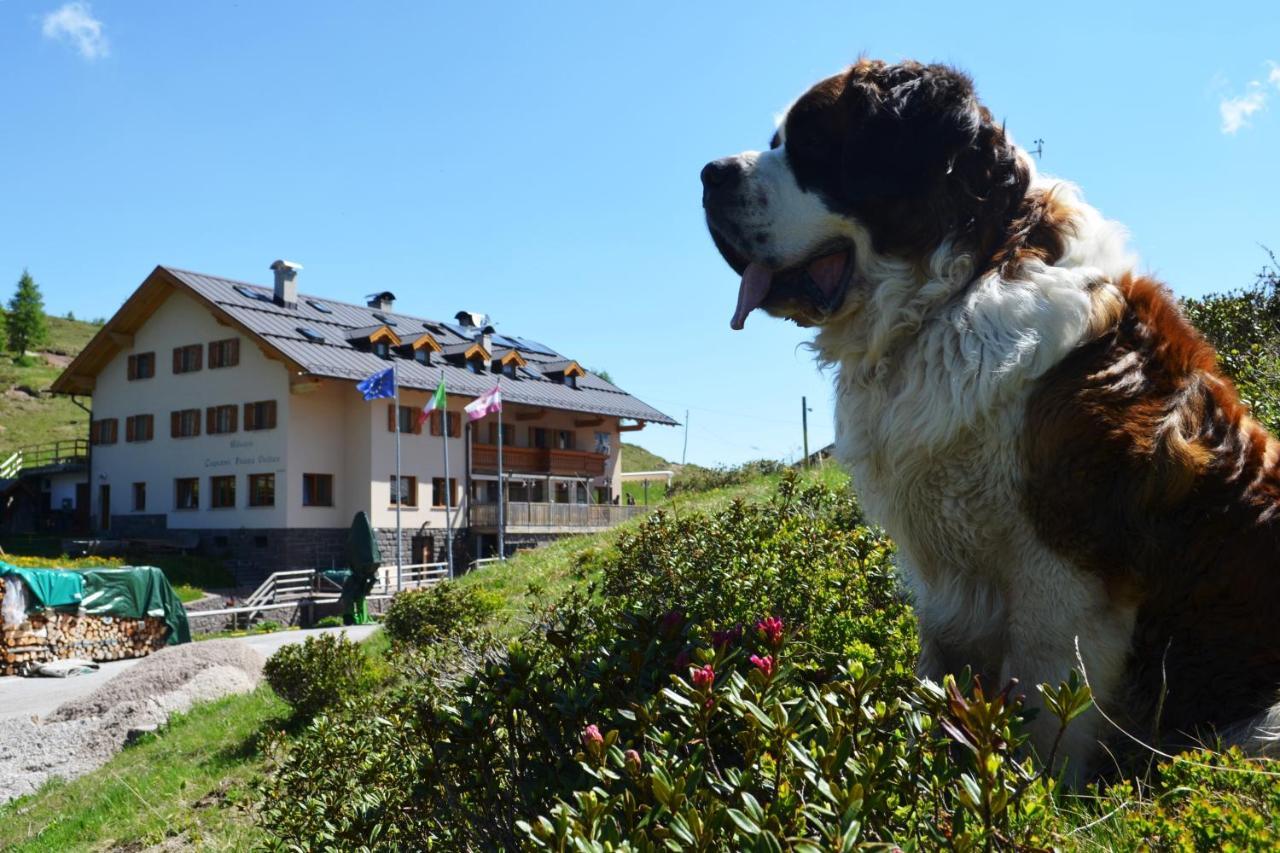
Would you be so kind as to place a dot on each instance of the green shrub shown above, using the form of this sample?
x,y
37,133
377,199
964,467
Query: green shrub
x,y
267,626
1244,327
740,680
329,622
420,617
695,478
319,673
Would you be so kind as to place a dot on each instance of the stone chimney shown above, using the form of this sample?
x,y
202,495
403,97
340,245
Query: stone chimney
x,y
486,339
286,294
381,301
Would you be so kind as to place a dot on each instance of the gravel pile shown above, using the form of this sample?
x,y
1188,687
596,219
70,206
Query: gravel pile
x,y
84,733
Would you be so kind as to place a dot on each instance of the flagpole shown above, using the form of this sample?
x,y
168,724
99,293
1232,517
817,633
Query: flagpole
x,y
502,492
395,384
448,487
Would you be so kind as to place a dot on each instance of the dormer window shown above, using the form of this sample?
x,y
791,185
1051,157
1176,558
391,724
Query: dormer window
x,y
420,350
564,372
471,357
506,361
375,339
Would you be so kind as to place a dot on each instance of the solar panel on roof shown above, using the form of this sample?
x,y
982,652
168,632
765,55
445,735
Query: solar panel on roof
x,y
384,318
320,306
311,334
533,346
458,330
248,292
508,342
433,328
532,372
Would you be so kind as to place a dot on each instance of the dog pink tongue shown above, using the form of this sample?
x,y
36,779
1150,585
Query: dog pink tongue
x,y
754,288
828,271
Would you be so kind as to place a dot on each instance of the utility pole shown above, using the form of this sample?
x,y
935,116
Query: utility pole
x,y
684,454
804,424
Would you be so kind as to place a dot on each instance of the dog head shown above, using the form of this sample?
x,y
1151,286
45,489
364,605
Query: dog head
x,y
881,159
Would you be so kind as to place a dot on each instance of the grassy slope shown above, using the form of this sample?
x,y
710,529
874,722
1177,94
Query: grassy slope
x,y
636,458
192,778
25,419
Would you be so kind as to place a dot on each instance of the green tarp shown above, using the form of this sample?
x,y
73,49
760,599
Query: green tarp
x,y
133,592
49,587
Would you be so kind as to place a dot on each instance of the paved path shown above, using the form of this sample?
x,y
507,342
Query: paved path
x,y
26,697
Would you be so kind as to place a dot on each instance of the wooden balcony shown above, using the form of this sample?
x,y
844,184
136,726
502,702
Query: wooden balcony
x,y
537,460
522,517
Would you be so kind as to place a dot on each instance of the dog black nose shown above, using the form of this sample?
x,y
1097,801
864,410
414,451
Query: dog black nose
x,y
721,174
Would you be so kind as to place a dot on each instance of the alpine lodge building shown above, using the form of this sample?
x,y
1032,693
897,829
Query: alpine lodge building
x,y
225,416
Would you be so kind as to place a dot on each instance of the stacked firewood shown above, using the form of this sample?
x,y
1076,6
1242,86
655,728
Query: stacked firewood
x,y
53,635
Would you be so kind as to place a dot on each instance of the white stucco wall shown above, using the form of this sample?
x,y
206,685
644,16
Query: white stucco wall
x,y
178,322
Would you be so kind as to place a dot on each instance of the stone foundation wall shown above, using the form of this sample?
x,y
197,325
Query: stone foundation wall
x,y
53,635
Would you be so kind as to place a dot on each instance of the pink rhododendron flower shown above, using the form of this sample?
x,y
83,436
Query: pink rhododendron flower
x,y
591,737
703,677
670,623
771,628
730,637
764,664
633,761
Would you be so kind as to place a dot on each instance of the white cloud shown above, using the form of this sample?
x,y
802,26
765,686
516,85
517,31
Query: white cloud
x,y
1237,109
74,22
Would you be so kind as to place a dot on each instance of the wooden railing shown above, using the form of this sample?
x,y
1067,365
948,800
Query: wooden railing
x,y
65,452
537,460
520,515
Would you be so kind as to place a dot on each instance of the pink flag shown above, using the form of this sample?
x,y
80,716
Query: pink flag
x,y
485,404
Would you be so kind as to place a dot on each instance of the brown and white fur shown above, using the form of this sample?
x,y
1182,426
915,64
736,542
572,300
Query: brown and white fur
x,y
1047,440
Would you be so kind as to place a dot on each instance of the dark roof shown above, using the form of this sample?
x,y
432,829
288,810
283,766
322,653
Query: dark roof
x,y
362,332
459,349
277,326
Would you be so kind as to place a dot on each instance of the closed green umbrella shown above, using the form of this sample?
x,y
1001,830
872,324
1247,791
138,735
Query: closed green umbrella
x,y
365,558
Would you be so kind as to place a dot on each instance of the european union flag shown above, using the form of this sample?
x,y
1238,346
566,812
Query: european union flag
x,y
379,385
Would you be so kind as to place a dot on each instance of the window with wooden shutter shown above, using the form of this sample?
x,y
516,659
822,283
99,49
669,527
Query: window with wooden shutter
x,y
408,420
188,359
220,419
222,492
142,365
435,422
455,424
103,431
184,423
262,490
260,415
139,428
225,353
186,493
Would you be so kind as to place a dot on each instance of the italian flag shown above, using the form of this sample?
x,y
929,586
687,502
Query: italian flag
x,y
437,401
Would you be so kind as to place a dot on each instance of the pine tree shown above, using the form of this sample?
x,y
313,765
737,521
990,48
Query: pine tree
x,y
26,323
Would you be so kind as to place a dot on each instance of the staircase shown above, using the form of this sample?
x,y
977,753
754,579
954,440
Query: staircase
x,y
9,470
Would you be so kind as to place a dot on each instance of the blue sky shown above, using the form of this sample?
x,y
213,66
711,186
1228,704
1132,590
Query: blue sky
x,y
540,161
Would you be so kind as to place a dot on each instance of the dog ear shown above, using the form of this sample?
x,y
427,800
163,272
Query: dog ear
x,y
909,124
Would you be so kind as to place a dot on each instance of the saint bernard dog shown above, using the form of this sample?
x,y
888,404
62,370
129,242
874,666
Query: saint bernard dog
x,y
1048,441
